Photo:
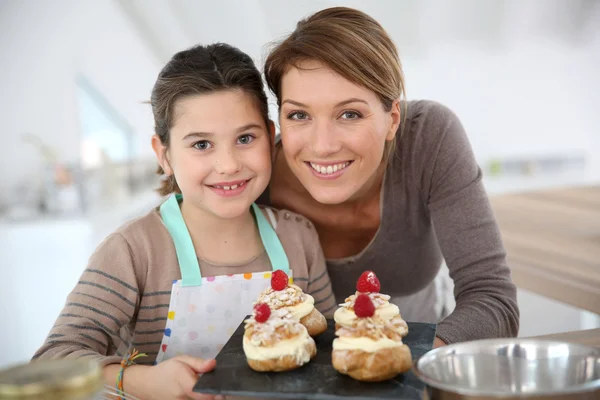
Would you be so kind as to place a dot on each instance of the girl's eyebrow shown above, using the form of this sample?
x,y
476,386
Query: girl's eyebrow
x,y
208,135
198,135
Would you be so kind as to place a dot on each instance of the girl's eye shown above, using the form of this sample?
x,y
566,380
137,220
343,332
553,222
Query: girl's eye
x,y
298,115
350,115
246,139
202,145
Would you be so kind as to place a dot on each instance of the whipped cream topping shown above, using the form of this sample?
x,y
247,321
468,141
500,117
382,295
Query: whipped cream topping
x,y
304,308
371,334
383,308
297,302
297,347
364,344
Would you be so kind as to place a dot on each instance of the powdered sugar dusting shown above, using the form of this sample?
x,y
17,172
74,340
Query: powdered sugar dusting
x,y
280,325
289,296
375,328
378,299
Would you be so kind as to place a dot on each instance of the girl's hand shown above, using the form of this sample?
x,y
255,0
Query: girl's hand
x,y
173,379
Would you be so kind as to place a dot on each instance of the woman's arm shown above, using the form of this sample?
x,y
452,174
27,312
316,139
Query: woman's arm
x,y
467,232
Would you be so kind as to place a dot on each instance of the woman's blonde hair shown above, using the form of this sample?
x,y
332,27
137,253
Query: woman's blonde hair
x,y
349,42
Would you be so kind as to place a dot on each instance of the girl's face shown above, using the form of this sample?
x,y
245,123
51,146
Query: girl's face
x,y
333,132
219,152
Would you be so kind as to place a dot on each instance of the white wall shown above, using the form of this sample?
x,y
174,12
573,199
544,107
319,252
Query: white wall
x,y
43,47
530,99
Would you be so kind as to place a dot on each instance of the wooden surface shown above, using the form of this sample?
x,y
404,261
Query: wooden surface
x,y
552,240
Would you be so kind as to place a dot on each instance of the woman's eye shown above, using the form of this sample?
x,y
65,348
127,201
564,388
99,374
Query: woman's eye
x,y
298,115
245,139
202,145
350,115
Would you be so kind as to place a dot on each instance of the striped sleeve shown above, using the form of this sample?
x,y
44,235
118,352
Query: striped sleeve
x,y
103,302
319,284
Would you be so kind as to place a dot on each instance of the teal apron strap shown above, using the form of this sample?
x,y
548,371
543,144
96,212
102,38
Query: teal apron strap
x,y
271,242
184,247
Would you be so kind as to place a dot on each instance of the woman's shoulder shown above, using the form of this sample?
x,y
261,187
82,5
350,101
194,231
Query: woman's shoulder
x,y
427,124
281,218
432,136
290,226
429,114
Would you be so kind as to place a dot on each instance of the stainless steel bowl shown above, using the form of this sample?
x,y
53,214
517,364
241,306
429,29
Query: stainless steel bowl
x,y
511,368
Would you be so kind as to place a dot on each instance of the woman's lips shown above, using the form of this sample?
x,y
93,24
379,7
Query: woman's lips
x,y
331,170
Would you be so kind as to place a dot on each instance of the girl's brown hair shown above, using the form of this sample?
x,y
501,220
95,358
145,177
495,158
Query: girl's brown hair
x,y
349,42
201,70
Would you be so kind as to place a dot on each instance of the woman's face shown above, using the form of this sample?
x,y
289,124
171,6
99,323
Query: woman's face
x,y
333,132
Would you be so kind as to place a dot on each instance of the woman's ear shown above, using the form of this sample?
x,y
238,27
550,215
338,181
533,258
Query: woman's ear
x,y
395,118
161,155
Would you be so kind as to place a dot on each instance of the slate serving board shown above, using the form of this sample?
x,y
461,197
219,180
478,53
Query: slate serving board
x,y
315,380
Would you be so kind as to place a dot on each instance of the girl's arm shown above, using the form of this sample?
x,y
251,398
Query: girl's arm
x,y
98,313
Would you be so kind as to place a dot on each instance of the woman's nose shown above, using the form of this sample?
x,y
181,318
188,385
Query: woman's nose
x,y
325,140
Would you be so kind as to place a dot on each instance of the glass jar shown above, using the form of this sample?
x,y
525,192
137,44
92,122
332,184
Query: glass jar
x,y
78,379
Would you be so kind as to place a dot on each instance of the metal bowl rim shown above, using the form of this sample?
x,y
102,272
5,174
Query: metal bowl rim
x,y
581,388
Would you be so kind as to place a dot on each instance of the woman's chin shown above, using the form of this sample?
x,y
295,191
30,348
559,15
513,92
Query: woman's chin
x,y
329,195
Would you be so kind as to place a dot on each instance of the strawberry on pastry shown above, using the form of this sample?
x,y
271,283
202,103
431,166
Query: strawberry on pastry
x,y
283,294
275,341
369,286
368,283
371,348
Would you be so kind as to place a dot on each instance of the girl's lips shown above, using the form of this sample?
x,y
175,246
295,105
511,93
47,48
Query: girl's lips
x,y
229,189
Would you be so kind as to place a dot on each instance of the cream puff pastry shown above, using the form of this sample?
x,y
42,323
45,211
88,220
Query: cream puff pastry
x,y
275,341
370,348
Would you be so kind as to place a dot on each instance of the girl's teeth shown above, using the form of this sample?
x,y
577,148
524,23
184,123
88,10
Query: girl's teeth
x,y
330,169
231,187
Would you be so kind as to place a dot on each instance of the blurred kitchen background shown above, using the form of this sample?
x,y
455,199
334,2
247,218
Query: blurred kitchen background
x,y
523,76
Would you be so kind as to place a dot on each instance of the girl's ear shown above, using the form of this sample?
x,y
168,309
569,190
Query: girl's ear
x,y
161,155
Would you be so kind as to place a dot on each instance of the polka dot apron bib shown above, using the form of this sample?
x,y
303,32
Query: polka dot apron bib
x,y
205,311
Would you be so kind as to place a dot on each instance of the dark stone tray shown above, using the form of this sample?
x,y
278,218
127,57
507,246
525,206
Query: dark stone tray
x,y
315,380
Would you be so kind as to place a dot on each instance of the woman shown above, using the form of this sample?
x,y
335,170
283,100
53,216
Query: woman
x,y
391,186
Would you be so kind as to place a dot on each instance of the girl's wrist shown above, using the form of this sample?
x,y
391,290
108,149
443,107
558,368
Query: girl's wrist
x,y
134,379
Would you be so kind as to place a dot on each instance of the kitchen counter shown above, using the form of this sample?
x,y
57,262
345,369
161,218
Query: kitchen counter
x,y
552,238
588,337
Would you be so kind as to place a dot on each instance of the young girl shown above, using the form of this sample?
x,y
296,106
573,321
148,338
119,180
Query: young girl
x,y
175,283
